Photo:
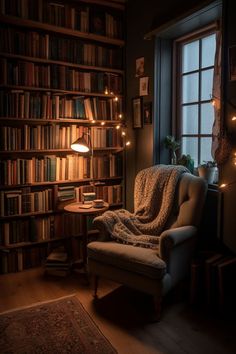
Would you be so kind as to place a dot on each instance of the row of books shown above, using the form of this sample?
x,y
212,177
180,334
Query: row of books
x,y
39,228
52,168
111,194
80,18
19,259
58,77
23,201
47,46
26,105
45,137
56,226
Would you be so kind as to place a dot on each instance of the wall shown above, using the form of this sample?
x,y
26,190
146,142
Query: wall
x,y
228,170
142,16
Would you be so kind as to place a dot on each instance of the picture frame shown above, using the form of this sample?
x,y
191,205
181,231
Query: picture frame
x,y
147,112
139,70
143,86
232,63
137,112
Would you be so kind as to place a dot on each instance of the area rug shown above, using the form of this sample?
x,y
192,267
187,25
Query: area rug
x,y
55,327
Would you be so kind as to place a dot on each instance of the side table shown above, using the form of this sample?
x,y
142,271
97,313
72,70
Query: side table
x,y
77,208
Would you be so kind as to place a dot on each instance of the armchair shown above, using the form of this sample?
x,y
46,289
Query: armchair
x,y
153,270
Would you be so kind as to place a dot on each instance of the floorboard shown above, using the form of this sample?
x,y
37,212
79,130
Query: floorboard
x,y
124,315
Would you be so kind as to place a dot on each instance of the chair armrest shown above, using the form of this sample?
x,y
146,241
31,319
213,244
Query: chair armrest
x,y
171,238
103,233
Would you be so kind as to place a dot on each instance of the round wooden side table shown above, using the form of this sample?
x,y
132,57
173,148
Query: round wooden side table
x,y
77,208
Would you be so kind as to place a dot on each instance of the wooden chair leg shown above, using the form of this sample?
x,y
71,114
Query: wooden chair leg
x,y
157,306
95,285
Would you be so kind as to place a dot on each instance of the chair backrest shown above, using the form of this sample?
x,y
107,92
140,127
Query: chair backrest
x,y
189,200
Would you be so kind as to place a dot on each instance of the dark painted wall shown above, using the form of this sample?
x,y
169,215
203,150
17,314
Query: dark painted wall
x,y
228,170
143,16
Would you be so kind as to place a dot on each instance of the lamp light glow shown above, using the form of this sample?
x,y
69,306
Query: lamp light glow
x,y
80,145
233,118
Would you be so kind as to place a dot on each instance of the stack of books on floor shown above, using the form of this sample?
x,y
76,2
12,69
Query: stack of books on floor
x,y
58,263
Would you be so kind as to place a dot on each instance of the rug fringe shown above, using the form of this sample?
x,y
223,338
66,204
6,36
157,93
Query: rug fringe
x,y
38,304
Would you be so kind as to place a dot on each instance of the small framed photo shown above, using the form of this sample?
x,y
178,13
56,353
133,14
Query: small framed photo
x,y
147,112
139,67
143,86
232,63
137,112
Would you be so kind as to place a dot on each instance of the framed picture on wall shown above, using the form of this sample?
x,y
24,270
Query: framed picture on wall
x,y
232,63
137,112
147,112
139,67
143,86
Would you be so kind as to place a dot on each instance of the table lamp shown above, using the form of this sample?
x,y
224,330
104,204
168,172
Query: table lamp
x,y
82,146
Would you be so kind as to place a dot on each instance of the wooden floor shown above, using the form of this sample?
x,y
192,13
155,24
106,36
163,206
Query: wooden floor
x,y
124,315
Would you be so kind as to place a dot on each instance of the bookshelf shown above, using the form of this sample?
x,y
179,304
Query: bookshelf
x,y
61,75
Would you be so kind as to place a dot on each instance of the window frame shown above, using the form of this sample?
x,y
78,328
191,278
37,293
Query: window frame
x,y
177,83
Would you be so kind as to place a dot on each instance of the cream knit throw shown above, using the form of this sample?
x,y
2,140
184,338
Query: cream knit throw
x,y
153,199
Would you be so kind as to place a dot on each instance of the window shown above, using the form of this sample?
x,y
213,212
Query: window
x,y
195,110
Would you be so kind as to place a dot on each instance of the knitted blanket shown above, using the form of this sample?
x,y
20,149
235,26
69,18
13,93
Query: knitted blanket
x,y
153,199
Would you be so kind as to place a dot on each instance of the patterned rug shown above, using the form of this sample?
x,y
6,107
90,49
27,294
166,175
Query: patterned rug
x,y
55,327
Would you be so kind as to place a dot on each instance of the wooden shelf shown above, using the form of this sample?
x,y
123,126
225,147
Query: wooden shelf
x,y
81,182
94,123
64,63
16,216
58,91
17,21
34,243
57,151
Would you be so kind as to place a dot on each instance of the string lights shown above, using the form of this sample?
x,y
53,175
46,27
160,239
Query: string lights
x,y
120,126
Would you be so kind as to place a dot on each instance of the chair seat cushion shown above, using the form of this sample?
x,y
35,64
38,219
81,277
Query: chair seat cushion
x,y
139,260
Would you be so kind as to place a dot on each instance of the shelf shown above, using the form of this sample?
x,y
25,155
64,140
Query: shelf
x,y
16,216
17,21
116,4
83,181
94,123
64,63
57,151
58,91
33,243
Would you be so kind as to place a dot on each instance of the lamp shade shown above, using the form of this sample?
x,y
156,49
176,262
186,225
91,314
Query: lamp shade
x,y
80,145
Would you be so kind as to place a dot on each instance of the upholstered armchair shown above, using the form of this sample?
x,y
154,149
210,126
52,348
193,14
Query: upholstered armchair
x,y
153,270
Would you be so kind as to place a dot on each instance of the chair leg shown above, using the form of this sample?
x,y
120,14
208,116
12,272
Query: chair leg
x,y
157,306
95,285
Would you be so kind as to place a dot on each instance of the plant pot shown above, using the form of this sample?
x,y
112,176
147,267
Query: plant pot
x,y
209,173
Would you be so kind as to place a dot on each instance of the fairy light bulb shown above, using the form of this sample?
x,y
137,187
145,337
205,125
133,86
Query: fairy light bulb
x,y
128,143
116,99
106,91
120,115
102,123
118,127
123,133
233,118
213,102
223,185
93,121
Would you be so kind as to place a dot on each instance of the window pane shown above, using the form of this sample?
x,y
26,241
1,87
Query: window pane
x,y
205,150
190,119
206,84
190,147
190,88
207,118
208,50
190,58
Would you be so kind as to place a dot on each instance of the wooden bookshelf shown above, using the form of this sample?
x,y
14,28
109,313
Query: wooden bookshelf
x,y
61,75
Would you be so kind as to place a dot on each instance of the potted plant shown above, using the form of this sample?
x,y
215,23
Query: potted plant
x,y
187,161
208,170
173,145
